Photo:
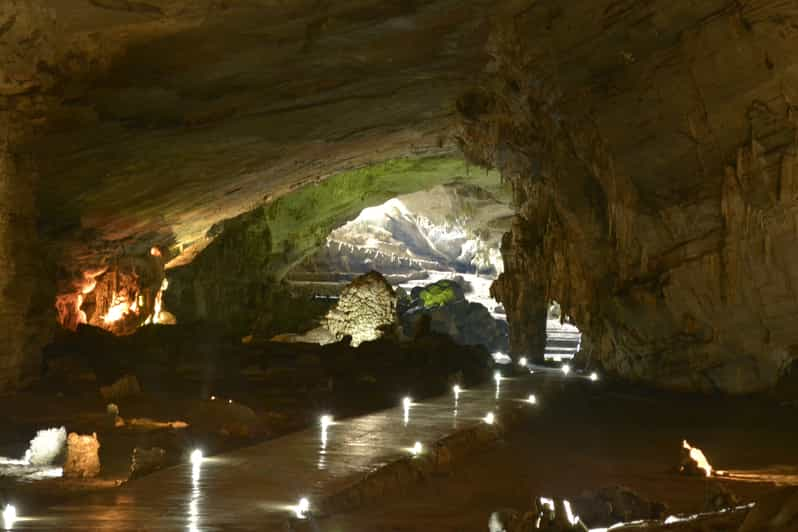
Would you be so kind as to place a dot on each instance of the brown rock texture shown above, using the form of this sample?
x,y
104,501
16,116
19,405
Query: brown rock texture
x,y
27,50
650,146
83,456
652,172
155,120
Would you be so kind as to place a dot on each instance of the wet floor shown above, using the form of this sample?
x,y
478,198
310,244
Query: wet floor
x,y
590,437
259,487
582,435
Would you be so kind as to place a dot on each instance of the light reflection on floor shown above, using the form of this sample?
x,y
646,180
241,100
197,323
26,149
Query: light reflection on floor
x,y
251,488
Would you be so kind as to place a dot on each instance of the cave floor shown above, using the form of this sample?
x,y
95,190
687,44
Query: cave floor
x,y
584,438
580,436
254,488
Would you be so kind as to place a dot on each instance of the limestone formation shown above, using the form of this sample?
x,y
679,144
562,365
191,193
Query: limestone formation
x,y
665,227
651,156
365,311
82,457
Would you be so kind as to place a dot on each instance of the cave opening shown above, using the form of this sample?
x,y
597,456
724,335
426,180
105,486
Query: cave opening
x,y
438,248
563,338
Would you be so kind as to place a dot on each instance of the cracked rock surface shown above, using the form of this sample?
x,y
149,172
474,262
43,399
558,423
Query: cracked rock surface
x,y
652,165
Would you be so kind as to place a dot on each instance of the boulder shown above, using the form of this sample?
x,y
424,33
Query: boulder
x,y
224,418
466,323
548,515
437,294
126,386
365,310
607,506
146,461
83,457
719,497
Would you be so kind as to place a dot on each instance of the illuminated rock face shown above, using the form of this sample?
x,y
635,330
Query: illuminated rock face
x,y
674,252
83,456
365,310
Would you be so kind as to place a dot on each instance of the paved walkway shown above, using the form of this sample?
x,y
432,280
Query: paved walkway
x,y
255,488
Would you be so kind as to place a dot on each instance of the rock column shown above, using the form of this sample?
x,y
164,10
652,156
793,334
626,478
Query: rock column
x,y
25,314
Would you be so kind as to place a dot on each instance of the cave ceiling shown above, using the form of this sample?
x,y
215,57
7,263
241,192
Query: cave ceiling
x,y
152,120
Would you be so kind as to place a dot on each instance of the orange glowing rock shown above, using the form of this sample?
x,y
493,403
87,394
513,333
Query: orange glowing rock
x,y
118,310
695,461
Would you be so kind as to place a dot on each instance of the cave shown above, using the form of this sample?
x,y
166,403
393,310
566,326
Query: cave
x,y
398,265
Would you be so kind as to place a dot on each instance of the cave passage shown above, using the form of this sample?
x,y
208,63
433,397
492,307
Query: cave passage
x,y
563,339
440,265
438,248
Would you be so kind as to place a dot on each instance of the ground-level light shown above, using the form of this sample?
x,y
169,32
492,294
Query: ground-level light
x,y
522,361
417,449
9,516
497,377
406,402
532,399
325,421
302,508
489,418
196,457
566,369
594,376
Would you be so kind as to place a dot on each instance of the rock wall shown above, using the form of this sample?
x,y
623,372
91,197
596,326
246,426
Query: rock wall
x,y
25,305
26,285
679,265
231,282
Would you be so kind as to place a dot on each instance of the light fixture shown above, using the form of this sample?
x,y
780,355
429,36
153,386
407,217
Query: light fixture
x,y
532,399
489,418
497,376
9,516
456,389
325,421
417,449
302,508
594,376
569,513
522,362
229,401
213,397
566,369
196,457
406,402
